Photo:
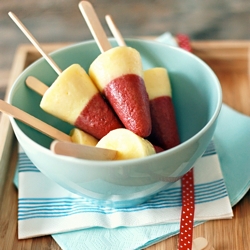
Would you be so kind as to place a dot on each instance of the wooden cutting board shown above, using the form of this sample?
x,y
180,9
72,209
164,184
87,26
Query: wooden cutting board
x,y
230,60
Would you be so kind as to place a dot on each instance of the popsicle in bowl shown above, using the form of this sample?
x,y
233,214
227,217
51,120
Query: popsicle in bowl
x,y
164,126
74,98
117,72
86,151
127,144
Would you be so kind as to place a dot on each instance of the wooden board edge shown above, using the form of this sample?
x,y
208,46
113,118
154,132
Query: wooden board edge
x,y
6,132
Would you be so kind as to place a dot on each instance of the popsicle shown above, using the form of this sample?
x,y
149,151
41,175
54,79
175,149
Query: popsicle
x,y
77,135
74,98
127,144
164,126
83,151
118,74
80,137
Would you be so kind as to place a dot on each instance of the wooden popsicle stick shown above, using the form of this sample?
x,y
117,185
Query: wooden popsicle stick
x,y
33,122
201,243
76,150
35,42
36,85
115,31
94,25
88,152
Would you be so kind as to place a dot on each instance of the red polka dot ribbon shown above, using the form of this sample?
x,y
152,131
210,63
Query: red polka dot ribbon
x,y
183,42
187,184
187,213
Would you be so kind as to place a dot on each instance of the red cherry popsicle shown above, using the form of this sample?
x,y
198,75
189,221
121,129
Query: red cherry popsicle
x,y
118,74
74,98
164,127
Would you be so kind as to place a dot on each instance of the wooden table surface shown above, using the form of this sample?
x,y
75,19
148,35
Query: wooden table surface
x,y
230,61
61,21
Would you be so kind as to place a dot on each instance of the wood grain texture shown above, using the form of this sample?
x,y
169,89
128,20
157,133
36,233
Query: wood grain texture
x,y
230,61
8,217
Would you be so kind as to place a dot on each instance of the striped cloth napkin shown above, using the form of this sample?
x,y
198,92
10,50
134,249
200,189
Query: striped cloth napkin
x,y
46,208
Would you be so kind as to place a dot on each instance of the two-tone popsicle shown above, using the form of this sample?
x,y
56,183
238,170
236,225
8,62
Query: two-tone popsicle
x,y
118,74
85,151
164,126
127,144
74,98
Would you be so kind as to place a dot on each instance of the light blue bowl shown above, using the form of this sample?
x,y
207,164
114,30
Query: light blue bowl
x,y
197,98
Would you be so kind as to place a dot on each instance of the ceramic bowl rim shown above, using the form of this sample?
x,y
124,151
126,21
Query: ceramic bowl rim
x,y
130,161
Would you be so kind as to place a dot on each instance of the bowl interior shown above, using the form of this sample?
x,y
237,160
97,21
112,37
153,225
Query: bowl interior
x,y
195,101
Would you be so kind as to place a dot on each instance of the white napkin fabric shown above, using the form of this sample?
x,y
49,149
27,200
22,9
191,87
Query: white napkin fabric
x,y
46,208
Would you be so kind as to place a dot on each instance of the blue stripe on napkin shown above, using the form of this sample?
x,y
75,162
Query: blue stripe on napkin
x,y
59,207
210,149
25,165
30,208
